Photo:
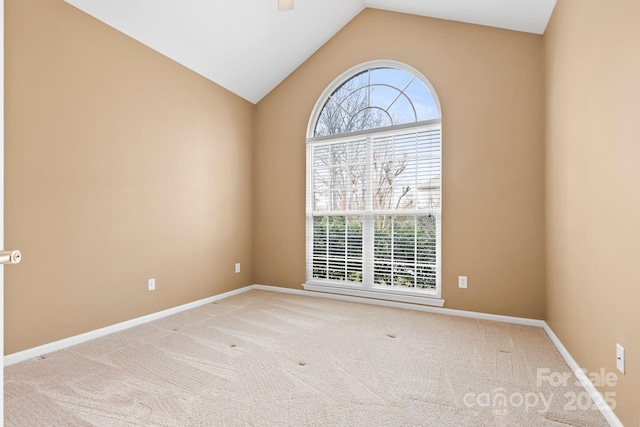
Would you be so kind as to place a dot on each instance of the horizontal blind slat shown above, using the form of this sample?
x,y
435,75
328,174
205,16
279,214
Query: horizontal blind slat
x,y
405,185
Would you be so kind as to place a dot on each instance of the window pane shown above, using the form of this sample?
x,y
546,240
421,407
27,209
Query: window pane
x,y
404,239
332,119
382,249
337,248
391,76
354,249
422,100
405,251
369,118
426,252
356,82
336,235
376,98
402,111
382,96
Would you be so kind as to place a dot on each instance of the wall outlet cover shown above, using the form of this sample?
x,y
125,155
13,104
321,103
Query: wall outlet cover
x,y
620,358
462,282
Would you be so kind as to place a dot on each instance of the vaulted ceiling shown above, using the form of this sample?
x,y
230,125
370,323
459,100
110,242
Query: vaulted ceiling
x,y
248,47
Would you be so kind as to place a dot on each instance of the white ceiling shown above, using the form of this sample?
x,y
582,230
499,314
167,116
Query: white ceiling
x,y
248,47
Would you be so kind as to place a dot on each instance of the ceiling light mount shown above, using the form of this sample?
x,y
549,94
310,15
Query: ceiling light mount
x,y
285,5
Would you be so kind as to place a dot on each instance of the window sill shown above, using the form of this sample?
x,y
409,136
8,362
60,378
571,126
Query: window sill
x,y
382,294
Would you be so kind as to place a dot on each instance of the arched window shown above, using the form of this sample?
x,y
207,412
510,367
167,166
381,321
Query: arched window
x,y
373,186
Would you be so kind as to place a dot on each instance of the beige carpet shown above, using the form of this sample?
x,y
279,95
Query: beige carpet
x,y
271,359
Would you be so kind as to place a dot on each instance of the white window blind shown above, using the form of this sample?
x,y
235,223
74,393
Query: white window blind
x,y
374,209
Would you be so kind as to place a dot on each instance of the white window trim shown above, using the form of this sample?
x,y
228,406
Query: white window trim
x,y
409,296
417,296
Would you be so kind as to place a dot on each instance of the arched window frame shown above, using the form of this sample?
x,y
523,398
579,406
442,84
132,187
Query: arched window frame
x,y
347,75
431,297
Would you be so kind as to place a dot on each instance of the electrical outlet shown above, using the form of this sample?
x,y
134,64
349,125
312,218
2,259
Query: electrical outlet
x,y
238,267
620,358
151,284
462,282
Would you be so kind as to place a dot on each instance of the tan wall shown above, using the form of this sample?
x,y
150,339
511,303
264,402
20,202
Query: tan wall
x,y
490,84
592,50
121,165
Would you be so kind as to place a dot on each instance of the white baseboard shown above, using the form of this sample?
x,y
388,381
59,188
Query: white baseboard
x,y
606,411
78,339
408,306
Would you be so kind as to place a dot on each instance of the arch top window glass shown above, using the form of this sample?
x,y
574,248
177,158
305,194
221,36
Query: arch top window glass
x,y
374,186
376,98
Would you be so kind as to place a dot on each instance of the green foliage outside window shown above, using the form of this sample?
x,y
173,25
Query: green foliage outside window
x,y
404,250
